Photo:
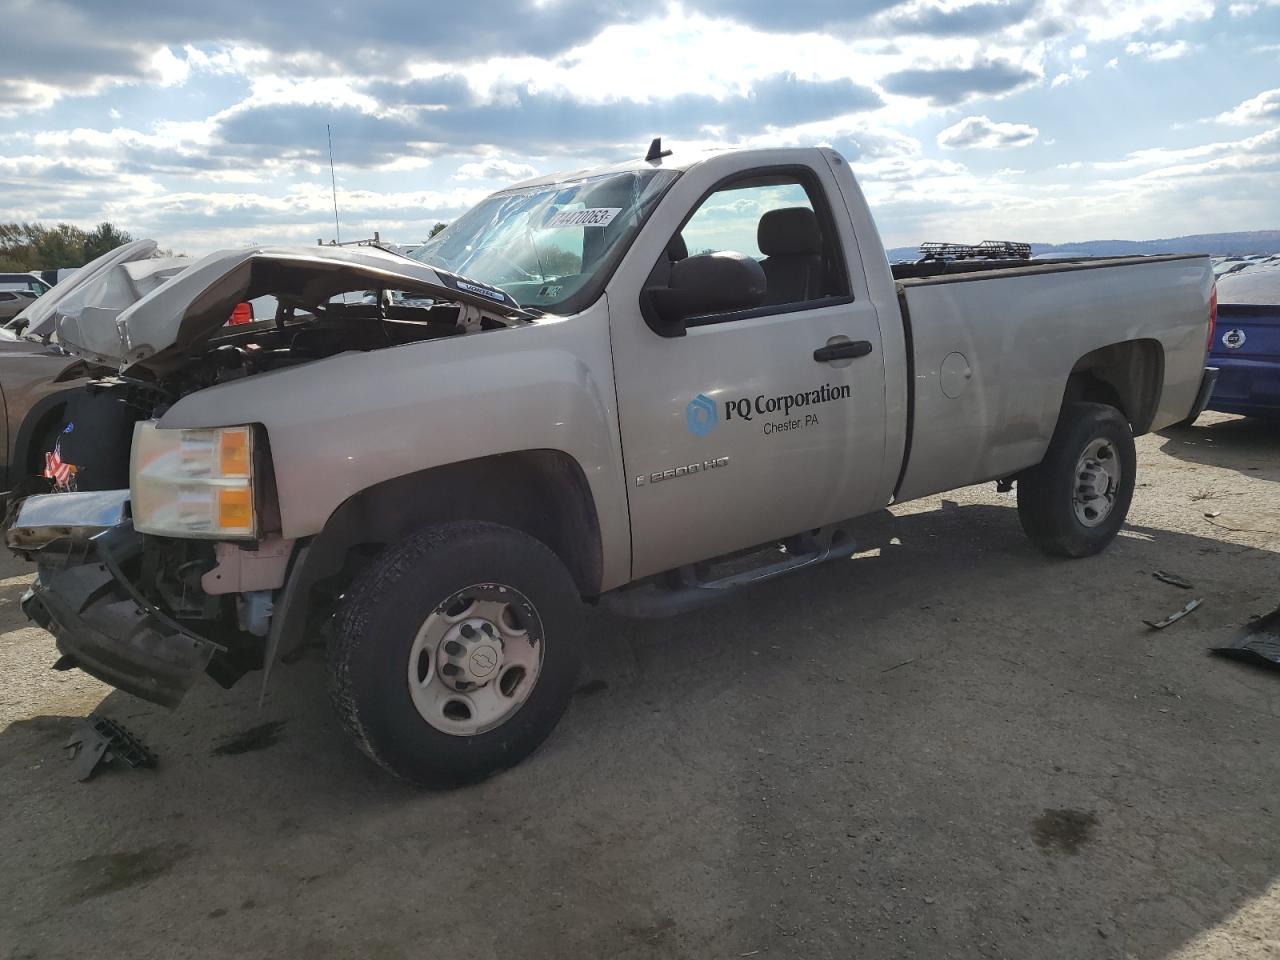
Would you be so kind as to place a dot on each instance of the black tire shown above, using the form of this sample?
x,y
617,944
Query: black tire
x,y
1046,505
383,611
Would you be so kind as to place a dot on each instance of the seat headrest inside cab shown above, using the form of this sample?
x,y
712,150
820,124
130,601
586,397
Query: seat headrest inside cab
x,y
789,232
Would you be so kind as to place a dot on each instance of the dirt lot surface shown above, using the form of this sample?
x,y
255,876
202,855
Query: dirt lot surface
x,y
949,746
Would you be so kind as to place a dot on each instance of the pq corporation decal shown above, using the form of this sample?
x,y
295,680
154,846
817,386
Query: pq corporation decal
x,y
1233,339
770,414
701,415
590,217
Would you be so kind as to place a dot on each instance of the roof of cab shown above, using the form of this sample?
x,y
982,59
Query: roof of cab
x,y
679,161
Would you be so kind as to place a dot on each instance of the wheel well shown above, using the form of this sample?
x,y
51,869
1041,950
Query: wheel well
x,y
1128,376
541,492
45,414
41,427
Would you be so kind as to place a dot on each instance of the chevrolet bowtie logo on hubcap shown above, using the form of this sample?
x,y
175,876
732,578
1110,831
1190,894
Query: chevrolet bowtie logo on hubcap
x,y
483,661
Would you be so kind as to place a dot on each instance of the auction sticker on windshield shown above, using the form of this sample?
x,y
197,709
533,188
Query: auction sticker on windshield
x,y
590,217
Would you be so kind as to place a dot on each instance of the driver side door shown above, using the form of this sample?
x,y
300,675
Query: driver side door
x,y
738,432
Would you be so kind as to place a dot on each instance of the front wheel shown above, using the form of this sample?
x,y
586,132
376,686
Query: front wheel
x,y
1073,503
457,653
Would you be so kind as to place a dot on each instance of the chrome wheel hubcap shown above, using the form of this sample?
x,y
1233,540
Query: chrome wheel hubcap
x,y
1097,480
475,659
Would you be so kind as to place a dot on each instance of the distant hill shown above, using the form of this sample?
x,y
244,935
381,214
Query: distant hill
x,y
1214,244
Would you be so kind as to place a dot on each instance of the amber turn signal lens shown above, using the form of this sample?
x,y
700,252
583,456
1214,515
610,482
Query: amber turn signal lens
x,y
235,508
233,453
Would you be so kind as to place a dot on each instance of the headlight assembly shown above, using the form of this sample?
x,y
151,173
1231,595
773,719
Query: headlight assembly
x,y
194,483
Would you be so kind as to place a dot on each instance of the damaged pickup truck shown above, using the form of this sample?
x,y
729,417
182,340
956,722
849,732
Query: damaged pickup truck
x,y
556,401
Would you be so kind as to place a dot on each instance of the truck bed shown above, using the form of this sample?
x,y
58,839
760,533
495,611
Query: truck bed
x,y
990,352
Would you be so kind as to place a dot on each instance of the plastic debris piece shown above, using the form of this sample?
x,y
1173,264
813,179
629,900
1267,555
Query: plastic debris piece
x,y
1172,578
98,740
1258,643
1173,617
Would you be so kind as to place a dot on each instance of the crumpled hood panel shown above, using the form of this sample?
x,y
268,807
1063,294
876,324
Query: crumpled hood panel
x,y
170,311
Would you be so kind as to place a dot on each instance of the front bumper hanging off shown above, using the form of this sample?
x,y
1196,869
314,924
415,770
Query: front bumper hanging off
x,y
97,617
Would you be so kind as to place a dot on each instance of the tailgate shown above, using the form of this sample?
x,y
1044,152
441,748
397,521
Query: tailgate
x,y
1246,351
1246,331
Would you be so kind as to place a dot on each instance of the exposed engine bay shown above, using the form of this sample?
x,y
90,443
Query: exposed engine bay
x,y
152,330
303,333
169,326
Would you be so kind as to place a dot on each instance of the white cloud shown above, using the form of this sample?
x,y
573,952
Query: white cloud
x,y
983,133
1062,79
1264,108
495,168
1263,149
167,69
1113,63
1247,8
1158,49
1079,52
1114,19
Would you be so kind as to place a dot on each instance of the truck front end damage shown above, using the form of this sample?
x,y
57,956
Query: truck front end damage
x,y
143,613
183,574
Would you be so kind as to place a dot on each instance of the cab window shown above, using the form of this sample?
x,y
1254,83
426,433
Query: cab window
x,y
778,219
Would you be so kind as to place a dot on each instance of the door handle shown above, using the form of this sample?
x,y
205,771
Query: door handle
x,y
848,350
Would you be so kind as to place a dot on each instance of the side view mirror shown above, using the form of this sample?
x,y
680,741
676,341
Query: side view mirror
x,y
703,284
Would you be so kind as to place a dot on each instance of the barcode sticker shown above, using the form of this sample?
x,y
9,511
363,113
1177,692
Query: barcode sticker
x,y
590,217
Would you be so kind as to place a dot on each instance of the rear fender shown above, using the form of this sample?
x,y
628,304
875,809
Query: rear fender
x,y
1128,376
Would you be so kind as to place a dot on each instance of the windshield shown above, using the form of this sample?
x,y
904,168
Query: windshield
x,y
544,245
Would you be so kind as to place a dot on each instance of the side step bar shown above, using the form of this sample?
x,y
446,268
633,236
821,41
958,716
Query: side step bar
x,y
691,587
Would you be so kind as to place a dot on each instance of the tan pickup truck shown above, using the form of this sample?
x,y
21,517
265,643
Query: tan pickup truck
x,y
591,387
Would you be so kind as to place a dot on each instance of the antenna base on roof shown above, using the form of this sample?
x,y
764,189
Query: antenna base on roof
x,y
656,152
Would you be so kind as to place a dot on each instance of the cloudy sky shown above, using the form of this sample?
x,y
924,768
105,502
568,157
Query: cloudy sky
x,y
203,125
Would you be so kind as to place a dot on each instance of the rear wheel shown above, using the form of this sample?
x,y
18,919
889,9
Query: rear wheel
x,y
1073,503
457,653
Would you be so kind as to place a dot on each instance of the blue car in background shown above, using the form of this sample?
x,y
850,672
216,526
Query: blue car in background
x,y
1246,342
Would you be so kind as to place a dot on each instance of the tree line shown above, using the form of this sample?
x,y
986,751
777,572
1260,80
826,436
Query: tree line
x,y
35,246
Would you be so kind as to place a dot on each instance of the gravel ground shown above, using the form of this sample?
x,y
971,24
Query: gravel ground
x,y
949,746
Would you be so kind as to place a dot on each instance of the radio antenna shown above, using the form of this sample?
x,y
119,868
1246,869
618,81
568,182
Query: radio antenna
x,y
333,181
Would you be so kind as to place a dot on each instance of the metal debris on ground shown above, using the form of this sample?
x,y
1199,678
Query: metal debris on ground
x,y
1228,524
1173,617
1259,642
98,740
1172,578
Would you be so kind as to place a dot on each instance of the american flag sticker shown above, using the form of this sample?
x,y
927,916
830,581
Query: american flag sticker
x,y
58,470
